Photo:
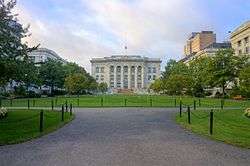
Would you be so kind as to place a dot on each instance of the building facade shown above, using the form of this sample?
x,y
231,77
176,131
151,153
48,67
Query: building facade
x,y
124,72
198,41
240,39
41,55
208,51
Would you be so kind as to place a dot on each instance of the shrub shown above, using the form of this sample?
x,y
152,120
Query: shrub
x,y
3,112
247,112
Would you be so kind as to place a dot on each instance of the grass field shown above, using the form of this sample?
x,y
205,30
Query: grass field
x,y
123,100
23,125
230,126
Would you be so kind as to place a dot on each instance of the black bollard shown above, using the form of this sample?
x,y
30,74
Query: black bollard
x,y
189,116
125,102
62,113
52,104
211,122
71,106
180,108
41,121
194,104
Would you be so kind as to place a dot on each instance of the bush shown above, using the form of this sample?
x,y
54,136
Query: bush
x,y
3,112
247,112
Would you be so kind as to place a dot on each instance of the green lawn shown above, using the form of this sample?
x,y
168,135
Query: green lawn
x,y
23,125
230,126
124,100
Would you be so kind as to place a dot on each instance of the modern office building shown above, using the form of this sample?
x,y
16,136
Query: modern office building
x,y
240,39
41,55
126,73
198,41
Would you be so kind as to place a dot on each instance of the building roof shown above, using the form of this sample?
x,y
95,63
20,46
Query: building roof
x,y
136,58
240,29
219,45
48,51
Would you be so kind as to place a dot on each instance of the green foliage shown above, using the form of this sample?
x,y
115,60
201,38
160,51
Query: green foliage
x,y
52,74
177,84
157,85
244,78
12,50
76,83
224,68
198,70
103,87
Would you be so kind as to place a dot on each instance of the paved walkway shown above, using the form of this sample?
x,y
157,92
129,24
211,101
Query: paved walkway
x,y
122,137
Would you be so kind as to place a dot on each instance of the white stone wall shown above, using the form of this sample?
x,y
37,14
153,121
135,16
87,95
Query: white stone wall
x,y
145,72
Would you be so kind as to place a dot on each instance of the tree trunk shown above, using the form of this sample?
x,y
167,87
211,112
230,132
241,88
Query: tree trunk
x,y
223,91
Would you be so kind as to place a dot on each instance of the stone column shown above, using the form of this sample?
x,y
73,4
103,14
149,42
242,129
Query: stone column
x,y
129,77
142,77
115,86
122,78
136,74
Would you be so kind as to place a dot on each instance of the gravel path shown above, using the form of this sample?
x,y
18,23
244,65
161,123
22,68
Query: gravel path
x,y
122,137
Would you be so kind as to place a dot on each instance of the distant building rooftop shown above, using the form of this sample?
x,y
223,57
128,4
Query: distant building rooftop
x,y
136,58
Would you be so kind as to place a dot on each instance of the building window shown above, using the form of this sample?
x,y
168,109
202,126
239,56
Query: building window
x,y
247,50
111,69
246,39
97,69
240,52
149,77
132,69
97,77
102,69
149,69
125,69
118,69
154,77
102,77
239,43
139,69
111,77
112,84
154,69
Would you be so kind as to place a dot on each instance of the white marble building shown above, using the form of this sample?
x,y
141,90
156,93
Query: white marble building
x,y
41,55
122,72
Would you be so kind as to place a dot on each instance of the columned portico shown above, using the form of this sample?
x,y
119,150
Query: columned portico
x,y
115,86
122,77
129,77
136,74
126,72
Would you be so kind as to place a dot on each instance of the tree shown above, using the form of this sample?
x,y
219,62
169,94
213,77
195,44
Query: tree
x,y
157,85
224,68
244,78
169,68
177,84
76,83
198,71
52,74
72,68
103,87
12,49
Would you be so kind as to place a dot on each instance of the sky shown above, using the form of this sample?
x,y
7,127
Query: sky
x,y
79,30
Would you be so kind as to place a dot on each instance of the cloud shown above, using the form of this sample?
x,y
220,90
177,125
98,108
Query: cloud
x,y
97,28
